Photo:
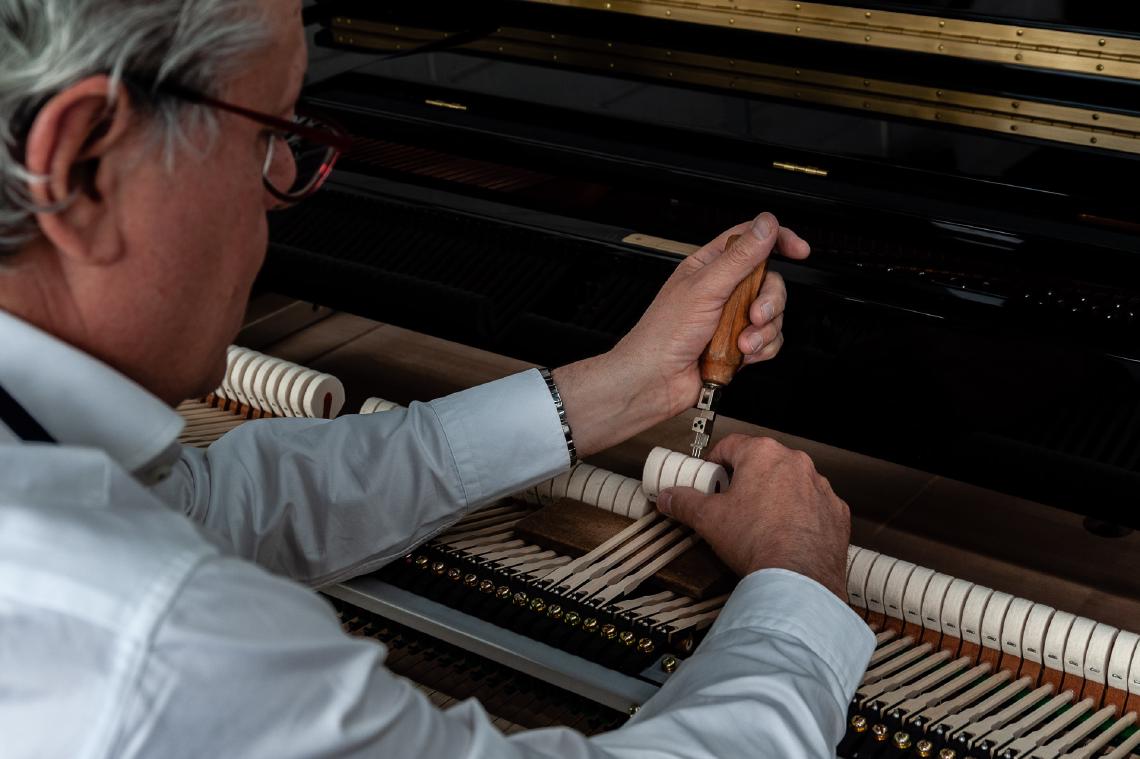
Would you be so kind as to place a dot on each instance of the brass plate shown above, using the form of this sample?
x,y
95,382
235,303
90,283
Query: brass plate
x,y
1001,43
1025,118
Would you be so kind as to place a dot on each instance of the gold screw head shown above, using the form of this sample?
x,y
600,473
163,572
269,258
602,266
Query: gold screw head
x,y
859,723
520,599
537,605
866,38
901,739
571,618
1020,32
470,580
609,632
645,646
486,586
627,638
867,14
925,748
439,567
1018,57
1100,67
454,574
502,592
947,753
880,731
1101,42
669,663
589,624
422,562
554,611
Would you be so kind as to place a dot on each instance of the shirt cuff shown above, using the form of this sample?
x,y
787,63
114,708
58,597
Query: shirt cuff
x,y
782,601
505,435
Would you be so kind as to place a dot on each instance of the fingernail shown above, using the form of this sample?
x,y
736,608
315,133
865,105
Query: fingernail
x,y
761,227
664,499
767,311
756,342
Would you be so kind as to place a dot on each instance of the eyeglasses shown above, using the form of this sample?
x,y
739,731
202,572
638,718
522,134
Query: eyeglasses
x,y
314,145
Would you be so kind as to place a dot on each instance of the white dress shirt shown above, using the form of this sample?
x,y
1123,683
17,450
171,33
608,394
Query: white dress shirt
x,y
173,619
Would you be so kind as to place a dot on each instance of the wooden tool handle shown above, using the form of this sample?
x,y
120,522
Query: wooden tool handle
x,y
722,357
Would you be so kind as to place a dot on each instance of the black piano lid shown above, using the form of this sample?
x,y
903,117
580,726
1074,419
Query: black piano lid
x,y
1002,383
1108,16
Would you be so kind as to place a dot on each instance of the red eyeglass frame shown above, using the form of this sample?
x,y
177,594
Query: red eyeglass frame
x,y
336,141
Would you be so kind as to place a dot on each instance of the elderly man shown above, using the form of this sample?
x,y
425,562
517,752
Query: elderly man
x,y
153,599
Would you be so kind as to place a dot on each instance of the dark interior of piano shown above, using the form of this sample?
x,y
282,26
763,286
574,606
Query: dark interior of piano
x,y
963,344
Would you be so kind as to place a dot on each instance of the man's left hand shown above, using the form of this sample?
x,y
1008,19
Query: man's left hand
x,y
652,373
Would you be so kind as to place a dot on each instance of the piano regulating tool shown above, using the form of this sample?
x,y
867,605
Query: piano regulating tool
x,y
963,345
721,360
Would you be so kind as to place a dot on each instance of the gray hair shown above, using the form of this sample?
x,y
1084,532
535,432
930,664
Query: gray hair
x,y
48,45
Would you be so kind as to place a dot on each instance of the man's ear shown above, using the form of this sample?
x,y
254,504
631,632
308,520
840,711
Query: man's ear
x,y
70,137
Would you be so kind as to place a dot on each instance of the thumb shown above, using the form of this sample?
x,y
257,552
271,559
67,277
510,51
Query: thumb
x,y
686,505
742,257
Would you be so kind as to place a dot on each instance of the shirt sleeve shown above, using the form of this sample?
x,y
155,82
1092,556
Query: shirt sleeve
x,y
321,500
771,680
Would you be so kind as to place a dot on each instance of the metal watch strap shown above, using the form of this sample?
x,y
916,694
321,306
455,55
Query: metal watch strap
x,y
557,398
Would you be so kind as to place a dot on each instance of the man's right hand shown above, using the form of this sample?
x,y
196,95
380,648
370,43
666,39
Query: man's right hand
x,y
779,512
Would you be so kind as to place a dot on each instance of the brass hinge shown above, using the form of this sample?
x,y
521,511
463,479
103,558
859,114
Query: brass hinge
x,y
812,170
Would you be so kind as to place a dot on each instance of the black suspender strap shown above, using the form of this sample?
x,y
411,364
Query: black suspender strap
x,y
20,421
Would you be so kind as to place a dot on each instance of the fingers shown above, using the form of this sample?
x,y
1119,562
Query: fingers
x,y
711,251
770,301
792,245
686,505
769,351
753,339
731,450
740,259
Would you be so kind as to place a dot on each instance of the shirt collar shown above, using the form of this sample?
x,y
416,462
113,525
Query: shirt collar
x,y
81,401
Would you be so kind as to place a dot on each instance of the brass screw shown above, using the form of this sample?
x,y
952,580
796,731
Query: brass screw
x,y
925,748
421,562
609,632
867,14
486,586
470,580
947,753
633,709
941,48
1017,57
454,574
589,624
626,637
1100,67
941,23
880,731
537,605
1015,104
797,30
668,663
1020,32
866,38
439,567
503,593
554,611
520,599
859,723
1101,42
645,646
902,740
571,618
1096,117
1092,140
